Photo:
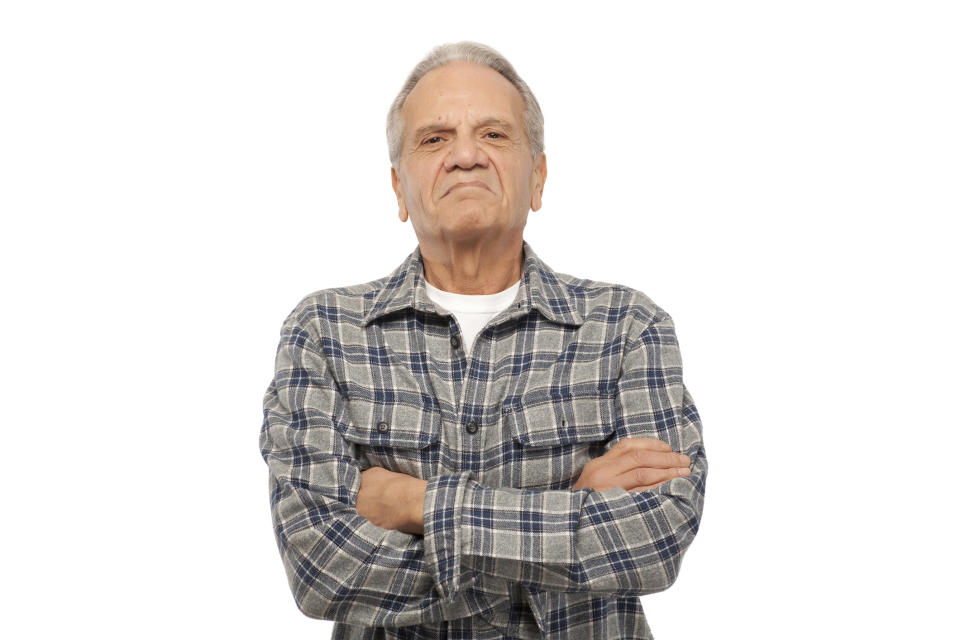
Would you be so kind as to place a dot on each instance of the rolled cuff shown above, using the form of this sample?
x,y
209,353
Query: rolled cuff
x,y
442,530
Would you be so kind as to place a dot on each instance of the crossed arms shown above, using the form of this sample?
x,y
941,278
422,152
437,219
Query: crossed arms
x,y
395,500
373,548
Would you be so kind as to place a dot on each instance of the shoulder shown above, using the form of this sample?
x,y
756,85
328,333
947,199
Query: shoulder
x,y
610,302
343,306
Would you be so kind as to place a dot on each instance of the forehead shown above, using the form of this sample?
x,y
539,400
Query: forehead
x,y
449,92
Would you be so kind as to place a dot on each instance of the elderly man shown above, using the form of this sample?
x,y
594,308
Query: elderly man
x,y
476,446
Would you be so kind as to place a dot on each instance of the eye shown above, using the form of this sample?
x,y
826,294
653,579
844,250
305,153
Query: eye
x,y
494,133
432,140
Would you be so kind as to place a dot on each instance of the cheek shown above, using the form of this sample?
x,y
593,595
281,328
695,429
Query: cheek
x,y
513,180
424,180
522,182
418,183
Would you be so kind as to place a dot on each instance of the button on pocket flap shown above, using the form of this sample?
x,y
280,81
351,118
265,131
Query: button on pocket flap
x,y
397,423
551,422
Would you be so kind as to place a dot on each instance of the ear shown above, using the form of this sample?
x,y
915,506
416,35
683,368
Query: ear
x,y
537,178
395,180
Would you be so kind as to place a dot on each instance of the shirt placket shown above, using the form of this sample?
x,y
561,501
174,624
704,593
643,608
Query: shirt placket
x,y
463,429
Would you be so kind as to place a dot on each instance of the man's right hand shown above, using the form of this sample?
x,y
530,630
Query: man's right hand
x,y
634,464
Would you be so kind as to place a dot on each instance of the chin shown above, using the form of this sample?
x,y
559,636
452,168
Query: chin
x,y
466,231
471,217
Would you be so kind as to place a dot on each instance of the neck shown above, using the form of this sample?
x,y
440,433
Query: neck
x,y
479,269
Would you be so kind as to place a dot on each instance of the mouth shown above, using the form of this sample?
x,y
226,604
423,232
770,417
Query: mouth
x,y
474,183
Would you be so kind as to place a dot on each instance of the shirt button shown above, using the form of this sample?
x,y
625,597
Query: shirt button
x,y
383,427
472,427
455,342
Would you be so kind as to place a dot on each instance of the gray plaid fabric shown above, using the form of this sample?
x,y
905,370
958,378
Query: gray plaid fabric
x,y
375,375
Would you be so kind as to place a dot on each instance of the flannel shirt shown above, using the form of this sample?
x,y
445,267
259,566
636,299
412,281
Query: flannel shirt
x,y
375,375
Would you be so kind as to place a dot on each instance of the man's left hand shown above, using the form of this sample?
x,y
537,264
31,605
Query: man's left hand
x,y
392,500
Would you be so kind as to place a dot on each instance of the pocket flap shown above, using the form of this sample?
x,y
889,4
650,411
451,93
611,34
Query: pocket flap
x,y
394,424
551,422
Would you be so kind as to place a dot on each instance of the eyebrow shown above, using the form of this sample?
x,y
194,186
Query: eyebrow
x,y
430,128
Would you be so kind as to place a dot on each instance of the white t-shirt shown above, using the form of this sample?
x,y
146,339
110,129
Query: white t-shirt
x,y
472,312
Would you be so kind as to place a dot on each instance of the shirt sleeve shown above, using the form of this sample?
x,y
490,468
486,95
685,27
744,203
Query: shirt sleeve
x,y
339,565
612,541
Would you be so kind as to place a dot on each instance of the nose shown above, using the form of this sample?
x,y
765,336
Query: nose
x,y
465,153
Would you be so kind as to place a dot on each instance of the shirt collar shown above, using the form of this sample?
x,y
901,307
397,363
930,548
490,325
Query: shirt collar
x,y
540,289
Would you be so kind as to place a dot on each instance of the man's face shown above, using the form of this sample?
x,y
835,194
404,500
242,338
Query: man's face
x,y
465,171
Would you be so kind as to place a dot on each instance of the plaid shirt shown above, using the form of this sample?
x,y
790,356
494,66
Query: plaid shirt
x,y
375,375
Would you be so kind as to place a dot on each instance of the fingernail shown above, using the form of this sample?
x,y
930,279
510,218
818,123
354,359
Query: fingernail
x,y
684,471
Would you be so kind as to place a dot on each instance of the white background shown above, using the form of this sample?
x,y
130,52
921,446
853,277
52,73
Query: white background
x,y
782,177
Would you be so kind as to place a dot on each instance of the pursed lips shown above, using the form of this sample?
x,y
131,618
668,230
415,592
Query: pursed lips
x,y
473,183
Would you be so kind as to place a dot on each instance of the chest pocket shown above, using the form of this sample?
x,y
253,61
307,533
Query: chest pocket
x,y
554,438
399,434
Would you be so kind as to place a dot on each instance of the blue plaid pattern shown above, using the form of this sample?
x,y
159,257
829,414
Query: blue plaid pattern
x,y
371,375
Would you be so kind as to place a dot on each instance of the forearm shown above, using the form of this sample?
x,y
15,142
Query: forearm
x,y
611,541
340,566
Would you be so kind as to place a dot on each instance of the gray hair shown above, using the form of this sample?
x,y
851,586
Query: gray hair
x,y
465,52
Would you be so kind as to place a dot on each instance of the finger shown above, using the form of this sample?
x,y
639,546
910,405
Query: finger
x,y
657,459
645,459
637,478
373,474
632,444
